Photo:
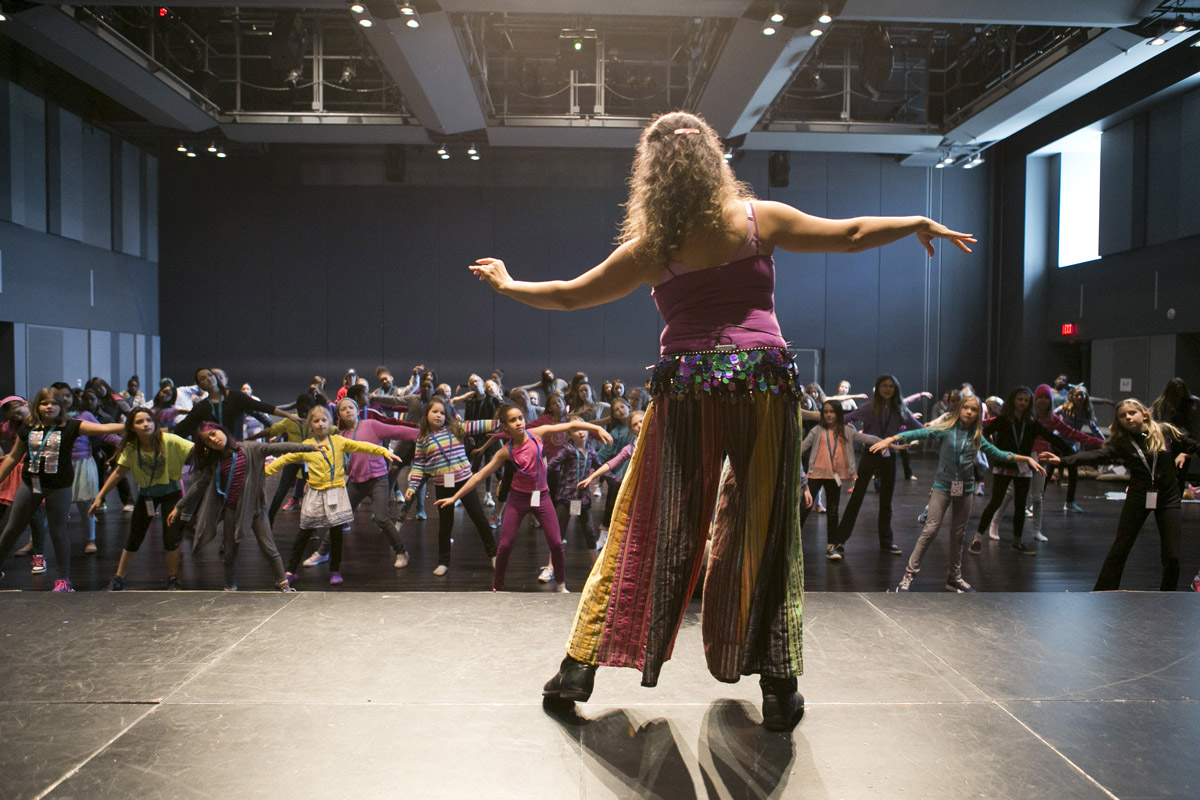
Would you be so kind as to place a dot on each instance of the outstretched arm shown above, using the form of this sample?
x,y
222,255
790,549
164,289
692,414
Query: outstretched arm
x,y
781,225
611,279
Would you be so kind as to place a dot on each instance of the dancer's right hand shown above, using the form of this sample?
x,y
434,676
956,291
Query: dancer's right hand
x,y
491,270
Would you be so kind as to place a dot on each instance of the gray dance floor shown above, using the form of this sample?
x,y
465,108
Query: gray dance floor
x,y
314,695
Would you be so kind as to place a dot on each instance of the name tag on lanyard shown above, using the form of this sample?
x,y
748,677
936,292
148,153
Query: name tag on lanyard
x,y
1151,500
956,488
150,507
576,508
448,480
35,484
535,499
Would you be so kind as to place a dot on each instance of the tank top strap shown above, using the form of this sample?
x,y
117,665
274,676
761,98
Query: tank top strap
x,y
752,234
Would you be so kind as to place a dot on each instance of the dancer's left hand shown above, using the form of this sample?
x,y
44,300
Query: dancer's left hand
x,y
493,271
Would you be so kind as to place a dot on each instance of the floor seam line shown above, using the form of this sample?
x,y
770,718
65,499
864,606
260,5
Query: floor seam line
x,y
75,770
1057,752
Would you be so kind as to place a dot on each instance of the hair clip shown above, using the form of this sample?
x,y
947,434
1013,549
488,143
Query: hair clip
x,y
686,130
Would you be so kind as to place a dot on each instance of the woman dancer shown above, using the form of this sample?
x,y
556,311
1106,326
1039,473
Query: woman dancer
x,y
155,459
45,441
1151,451
831,462
530,493
326,502
953,485
441,457
226,408
694,234
228,488
885,416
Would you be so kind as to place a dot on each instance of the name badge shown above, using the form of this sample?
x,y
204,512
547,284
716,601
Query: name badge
x,y
576,508
448,480
1151,499
956,488
333,502
149,507
535,499
36,484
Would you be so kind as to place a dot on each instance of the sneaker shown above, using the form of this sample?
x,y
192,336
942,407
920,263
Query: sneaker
x,y
536,522
284,586
906,582
1196,583
117,584
37,565
316,558
335,578
913,477
1027,549
600,541
1039,536
546,575
441,570
63,585
958,585
892,548
290,577
401,560
820,508
422,515
173,584
976,547
561,588
1073,508
922,517
832,554
488,500
288,504
597,492
979,489
841,548
1029,513
494,522
127,508
90,548
994,530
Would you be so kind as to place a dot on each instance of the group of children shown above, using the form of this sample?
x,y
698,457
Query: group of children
x,y
551,457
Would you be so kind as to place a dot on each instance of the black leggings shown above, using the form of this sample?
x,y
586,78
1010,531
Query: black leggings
x,y
832,495
871,464
1169,519
141,522
287,478
1072,479
301,547
475,511
999,487
583,522
58,502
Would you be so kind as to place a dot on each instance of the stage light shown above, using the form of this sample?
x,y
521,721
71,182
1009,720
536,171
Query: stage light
x,y
407,10
1158,41
728,154
1180,24
220,154
974,161
768,30
191,153
443,153
816,32
825,19
357,8
212,147
413,22
940,165
366,23
471,150
948,160
776,17
182,147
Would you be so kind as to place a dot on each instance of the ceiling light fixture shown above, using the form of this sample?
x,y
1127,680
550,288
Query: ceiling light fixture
x,y
212,147
407,10
776,17
825,19
221,154
413,22
366,23
769,30
441,151
728,153
974,161
182,148
816,32
357,8
191,153
3,18
1180,24
1158,41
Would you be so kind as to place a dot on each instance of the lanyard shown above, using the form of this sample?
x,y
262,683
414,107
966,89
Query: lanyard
x,y
328,460
346,456
538,447
580,464
832,451
437,444
1019,438
217,408
33,467
153,468
1142,456
302,427
957,451
229,481
885,421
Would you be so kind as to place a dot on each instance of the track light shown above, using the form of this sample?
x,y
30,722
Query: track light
x,y
825,19
358,8
974,161
191,153
443,153
221,154
366,23
182,148
471,150
1180,24
815,32
948,160
413,22
776,17
940,165
728,154
407,10
1158,41
212,147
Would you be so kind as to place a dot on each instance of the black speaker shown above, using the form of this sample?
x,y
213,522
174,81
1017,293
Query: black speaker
x,y
394,161
778,169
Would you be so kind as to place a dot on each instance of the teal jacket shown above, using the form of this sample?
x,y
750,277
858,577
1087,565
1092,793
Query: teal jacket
x,y
956,459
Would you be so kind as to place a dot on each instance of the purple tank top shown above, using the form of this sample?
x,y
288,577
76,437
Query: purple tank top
x,y
730,304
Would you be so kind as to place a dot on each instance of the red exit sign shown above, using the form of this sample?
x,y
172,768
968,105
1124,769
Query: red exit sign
x,y
1068,329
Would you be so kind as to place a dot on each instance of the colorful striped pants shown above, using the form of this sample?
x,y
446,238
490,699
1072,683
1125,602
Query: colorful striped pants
x,y
721,464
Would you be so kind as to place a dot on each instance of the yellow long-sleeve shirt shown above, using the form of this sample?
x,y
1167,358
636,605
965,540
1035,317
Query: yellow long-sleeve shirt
x,y
326,469
294,431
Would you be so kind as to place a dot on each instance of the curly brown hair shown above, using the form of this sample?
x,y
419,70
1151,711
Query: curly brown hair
x,y
681,183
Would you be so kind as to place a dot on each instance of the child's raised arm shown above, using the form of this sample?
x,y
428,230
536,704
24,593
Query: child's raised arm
x,y
489,468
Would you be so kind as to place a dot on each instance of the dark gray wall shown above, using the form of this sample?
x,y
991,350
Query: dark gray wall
x,y
318,264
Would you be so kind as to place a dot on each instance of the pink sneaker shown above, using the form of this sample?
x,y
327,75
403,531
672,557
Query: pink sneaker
x,y
37,565
1196,583
335,578
63,585
288,504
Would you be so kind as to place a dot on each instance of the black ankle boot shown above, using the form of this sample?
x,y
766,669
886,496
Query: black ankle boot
x,y
574,681
783,706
